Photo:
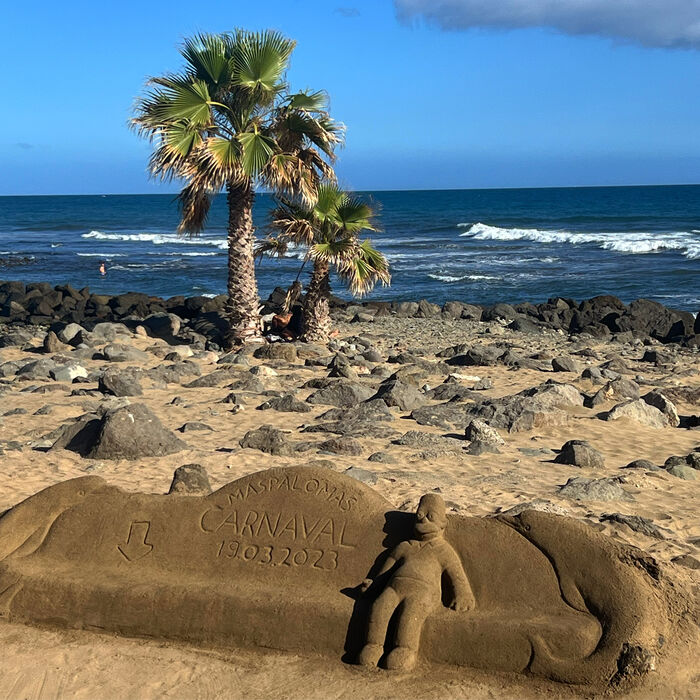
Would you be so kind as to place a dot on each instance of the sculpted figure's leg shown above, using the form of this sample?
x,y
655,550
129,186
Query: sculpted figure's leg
x,y
412,614
382,610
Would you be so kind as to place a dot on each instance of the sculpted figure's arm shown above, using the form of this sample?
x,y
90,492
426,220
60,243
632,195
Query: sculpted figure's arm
x,y
463,595
389,563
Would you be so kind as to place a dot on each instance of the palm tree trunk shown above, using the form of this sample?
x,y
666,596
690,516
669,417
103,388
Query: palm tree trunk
x,y
243,300
317,319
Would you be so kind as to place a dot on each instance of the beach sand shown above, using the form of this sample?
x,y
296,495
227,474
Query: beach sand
x,y
54,663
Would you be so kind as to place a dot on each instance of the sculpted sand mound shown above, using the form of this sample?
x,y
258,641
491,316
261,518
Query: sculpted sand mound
x,y
278,560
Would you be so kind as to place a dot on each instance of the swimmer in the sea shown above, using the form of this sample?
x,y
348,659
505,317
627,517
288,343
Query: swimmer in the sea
x,y
103,270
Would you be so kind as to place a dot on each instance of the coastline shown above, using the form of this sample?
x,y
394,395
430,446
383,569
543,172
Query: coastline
x,y
601,317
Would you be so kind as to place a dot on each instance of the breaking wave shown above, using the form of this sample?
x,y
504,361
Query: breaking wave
x,y
158,239
638,243
452,278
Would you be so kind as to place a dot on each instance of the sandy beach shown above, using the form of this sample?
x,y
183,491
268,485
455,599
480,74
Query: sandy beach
x,y
523,473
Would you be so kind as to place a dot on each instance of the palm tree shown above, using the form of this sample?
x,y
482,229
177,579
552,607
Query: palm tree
x,y
227,122
329,229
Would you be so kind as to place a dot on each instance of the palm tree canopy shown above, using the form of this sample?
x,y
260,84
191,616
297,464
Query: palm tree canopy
x,y
330,230
228,118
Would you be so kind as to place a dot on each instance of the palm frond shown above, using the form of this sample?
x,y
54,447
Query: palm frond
x,y
194,201
208,58
363,267
261,60
309,101
273,247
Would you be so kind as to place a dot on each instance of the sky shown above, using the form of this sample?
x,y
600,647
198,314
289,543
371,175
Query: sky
x,y
435,94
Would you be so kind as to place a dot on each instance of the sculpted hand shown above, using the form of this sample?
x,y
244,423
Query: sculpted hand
x,y
462,603
364,586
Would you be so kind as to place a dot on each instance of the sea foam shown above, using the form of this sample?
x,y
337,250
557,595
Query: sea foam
x,y
633,242
157,239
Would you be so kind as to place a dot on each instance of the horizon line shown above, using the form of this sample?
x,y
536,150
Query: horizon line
x,y
414,189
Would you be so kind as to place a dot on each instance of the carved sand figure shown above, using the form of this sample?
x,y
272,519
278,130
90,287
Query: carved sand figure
x,y
415,587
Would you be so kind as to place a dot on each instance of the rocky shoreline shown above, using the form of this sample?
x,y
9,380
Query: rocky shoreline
x,y
602,317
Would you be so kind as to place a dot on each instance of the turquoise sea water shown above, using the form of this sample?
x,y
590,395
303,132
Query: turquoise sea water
x,y
479,246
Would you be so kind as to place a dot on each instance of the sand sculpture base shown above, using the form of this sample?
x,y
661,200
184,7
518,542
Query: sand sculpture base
x,y
276,559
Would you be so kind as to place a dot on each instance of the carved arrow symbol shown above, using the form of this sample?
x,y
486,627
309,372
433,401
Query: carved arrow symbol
x,y
136,546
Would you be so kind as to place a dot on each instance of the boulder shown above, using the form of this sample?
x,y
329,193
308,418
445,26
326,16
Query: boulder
x,y
405,397
639,411
538,407
683,471
371,410
53,345
580,453
646,317
583,489
116,352
194,426
636,523
268,439
363,475
128,432
287,404
165,326
658,400
477,357
68,372
342,446
120,383
190,480
276,351
479,431
565,364
341,393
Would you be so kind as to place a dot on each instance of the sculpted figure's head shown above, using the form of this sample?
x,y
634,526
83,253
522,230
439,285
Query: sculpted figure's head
x,y
430,517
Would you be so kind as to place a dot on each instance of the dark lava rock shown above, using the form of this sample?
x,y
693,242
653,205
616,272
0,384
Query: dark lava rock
x,y
537,407
165,326
450,391
382,457
193,426
478,447
580,453
486,356
286,404
118,383
370,410
405,397
641,464
276,351
583,489
190,480
687,560
268,439
636,523
341,393
128,432
215,378
565,364
342,446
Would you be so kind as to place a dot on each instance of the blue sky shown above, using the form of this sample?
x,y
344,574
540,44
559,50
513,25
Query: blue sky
x,y
430,100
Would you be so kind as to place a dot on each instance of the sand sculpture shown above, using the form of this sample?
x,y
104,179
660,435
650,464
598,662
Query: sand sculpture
x,y
417,567
284,558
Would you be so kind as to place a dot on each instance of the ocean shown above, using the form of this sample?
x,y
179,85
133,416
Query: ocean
x,y
478,246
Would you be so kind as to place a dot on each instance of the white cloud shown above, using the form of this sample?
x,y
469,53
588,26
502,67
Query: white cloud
x,y
662,23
